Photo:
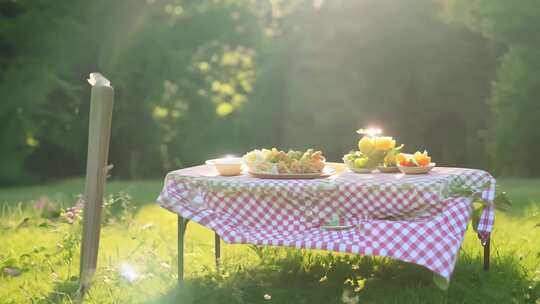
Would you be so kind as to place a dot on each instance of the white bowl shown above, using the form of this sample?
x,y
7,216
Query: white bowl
x,y
227,166
350,166
417,170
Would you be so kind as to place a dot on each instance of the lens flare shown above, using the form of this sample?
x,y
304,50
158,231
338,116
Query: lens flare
x,y
128,272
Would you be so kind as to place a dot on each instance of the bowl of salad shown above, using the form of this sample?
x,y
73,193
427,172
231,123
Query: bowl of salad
x,y
274,163
359,162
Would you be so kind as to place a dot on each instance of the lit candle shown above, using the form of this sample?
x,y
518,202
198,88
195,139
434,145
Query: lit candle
x,y
371,132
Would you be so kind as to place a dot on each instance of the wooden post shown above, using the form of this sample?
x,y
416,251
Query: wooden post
x,y
101,105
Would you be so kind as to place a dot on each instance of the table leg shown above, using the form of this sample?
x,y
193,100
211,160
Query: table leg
x,y
217,250
182,225
486,252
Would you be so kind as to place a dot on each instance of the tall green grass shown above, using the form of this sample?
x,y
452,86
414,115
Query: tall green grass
x,y
45,252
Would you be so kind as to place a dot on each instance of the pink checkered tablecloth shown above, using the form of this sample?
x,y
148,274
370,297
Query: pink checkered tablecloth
x,y
419,219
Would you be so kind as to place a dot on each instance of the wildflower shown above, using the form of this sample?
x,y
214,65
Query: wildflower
x,y
73,214
54,277
40,203
147,226
44,204
46,208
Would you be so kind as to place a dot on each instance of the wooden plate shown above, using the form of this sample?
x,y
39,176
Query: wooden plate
x,y
388,169
326,172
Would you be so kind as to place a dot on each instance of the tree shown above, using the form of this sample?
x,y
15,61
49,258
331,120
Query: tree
x,y
515,93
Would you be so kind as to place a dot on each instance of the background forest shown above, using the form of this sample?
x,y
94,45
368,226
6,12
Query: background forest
x,y
202,78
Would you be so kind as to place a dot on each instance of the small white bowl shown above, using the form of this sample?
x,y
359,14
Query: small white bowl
x,y
416,170
229,166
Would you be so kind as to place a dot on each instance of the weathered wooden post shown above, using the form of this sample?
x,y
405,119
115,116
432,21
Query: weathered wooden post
x,y
101,105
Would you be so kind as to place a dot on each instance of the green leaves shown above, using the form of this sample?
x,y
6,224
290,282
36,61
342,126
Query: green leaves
x,y
515,91
502,202
478,208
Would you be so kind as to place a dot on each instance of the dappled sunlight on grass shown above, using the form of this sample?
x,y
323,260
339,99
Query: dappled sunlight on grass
x,y
145,240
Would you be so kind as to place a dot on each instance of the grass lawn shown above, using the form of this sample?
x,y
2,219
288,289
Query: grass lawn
x,y
39,258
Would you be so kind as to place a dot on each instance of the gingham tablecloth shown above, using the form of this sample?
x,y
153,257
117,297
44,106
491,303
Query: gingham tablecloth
x,y
414,218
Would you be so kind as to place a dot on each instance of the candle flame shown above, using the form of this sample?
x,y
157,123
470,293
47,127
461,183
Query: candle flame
x,y
370,131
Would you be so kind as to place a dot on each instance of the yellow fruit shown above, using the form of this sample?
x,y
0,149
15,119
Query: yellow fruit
x,y
422,159
266,154
390,158
384,143
360,162
366,145
251,156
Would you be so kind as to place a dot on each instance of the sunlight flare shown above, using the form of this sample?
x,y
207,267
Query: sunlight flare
x,y
127,271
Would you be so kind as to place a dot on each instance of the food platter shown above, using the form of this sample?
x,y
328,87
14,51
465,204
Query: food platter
x,y
326,172
276,164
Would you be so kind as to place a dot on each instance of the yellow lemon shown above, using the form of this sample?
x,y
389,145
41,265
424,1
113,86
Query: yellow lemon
x,y
384,143
366,145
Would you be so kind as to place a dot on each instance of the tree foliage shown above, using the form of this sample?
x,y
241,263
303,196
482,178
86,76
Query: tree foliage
x,y
198,79
511,140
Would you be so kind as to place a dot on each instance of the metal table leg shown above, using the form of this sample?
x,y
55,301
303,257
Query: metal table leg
x,y
217,250
486,252
182,225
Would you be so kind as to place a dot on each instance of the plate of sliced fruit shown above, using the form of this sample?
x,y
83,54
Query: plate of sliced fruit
x,y
417,163
276,164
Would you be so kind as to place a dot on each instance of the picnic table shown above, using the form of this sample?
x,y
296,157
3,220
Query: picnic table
x,y
419,219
